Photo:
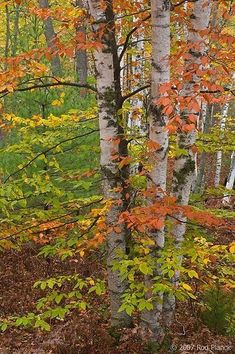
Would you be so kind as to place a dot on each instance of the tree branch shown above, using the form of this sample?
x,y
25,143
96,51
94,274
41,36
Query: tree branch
x,y
52,84
181,3
51,220
125,45
132,14
130,94
48,150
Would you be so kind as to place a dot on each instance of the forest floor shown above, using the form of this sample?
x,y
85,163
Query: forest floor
x,y
85,332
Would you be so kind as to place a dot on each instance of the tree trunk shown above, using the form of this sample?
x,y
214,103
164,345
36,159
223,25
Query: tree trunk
x,y
16,30
160,74
230,179
50,39
8,33
206,124
231,176
219,155
184,168
81,62
111,143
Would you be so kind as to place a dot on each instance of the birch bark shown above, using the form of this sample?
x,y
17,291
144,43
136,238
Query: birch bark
x,y
184,168
160,74
108,87
207,114
230,179
231,176
219,155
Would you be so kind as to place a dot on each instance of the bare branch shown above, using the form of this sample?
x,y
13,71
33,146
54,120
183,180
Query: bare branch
x,y
125,45
130,94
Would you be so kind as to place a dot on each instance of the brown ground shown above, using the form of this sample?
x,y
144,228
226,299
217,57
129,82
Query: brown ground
x,y
86,332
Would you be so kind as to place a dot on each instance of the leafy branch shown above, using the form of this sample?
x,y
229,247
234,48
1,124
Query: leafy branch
x,y
44,152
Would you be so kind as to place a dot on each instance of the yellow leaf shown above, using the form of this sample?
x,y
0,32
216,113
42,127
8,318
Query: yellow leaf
x,y
193,274
232,248
56,103
187,287
206,260
91,282
82,253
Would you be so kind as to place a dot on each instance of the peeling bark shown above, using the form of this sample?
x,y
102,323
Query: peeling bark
x,y
109,91
184,168
230,179
219,155
207,114
160,10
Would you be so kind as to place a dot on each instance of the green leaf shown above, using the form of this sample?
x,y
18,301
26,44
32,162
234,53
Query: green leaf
x,y
58,298
82,305
144,268
193,274
4,327
40,323
43,285
129,309
149,306
171,273
51,283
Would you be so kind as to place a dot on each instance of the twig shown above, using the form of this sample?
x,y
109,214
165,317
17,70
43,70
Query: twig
x,y
46,151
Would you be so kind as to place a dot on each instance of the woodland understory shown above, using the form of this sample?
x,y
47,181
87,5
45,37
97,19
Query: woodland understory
x,y
117,170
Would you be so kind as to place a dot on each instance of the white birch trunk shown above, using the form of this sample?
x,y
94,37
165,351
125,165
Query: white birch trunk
x,y
207,116
109,130
230,179
219,154
184,168
231,176
160,10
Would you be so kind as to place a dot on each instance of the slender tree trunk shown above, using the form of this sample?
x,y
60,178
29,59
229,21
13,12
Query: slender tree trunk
x,y
160,10
16,30
184,168
219,155
231,176
207,114
81,62
230,179
50,39
111,143
8,33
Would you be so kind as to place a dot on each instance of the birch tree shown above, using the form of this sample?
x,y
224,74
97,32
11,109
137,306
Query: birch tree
x,y
206,117
111,144
158,135
219,155
231,178
184,167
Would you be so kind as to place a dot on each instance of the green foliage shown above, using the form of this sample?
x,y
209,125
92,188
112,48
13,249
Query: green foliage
x,y
47,172
58,302
217,140
197,268
219,310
